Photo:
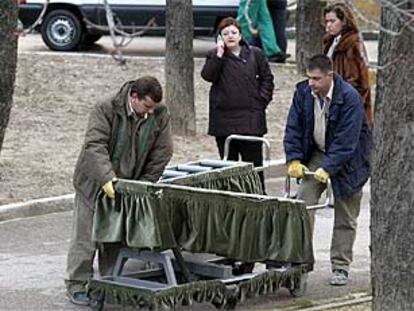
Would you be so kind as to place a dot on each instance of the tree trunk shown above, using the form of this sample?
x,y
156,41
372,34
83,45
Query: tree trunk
x,y
179,66
309,31
392,184
8,59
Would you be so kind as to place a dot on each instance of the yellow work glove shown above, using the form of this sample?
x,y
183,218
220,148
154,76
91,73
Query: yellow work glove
x,y
109,188
321,175
296,169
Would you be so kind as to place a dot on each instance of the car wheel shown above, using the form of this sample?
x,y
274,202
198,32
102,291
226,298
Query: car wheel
x,y
62,31
89,39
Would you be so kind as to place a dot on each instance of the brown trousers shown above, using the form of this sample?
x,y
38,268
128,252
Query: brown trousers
x,y
345,219
82,249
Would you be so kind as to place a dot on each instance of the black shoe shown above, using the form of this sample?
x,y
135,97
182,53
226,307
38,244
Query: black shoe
x,y
279,58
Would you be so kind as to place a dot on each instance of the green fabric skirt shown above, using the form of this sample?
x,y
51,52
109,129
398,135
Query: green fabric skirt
x,y
234,225
203,291
222,213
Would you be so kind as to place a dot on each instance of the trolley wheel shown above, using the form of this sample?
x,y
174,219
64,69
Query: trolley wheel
x,y
97,304
298,288
231,303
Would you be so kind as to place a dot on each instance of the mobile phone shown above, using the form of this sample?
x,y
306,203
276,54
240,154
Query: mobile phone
x,y
220,40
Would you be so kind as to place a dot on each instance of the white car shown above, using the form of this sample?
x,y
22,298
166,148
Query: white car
x,y
63,27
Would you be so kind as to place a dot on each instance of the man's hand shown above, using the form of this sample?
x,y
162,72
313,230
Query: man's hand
x,y
109,188
296,169
321,175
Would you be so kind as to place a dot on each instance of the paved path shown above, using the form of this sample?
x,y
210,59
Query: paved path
x,y
33,254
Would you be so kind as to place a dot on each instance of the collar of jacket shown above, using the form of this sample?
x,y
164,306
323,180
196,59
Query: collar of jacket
x,y
337,96
121,98
244,51
347,40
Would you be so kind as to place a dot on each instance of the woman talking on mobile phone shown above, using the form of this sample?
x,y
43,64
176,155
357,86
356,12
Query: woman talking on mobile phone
x,y
242,87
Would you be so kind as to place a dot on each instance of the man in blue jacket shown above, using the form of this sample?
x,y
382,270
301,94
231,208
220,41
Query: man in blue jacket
x,y
327,132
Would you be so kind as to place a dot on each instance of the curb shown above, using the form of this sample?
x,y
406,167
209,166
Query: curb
x,y
37,207
324,304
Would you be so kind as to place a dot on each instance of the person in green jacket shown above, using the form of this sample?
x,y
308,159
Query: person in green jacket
x,y
256,23
127,137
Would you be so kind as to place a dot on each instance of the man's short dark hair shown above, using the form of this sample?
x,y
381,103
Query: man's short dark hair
x,y
321,62
147,86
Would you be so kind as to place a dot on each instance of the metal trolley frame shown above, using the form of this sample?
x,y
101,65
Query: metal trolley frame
x,y
176,268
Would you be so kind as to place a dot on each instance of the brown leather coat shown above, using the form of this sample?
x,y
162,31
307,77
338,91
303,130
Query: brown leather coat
x,y
349,62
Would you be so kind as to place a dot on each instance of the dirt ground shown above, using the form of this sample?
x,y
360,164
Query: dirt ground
x,y
52,100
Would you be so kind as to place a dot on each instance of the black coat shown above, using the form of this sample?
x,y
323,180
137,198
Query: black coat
x,y
242,88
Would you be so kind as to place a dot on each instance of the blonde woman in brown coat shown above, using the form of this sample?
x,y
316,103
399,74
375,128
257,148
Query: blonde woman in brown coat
x,y
344,46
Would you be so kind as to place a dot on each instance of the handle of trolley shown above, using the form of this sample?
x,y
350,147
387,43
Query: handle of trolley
x,y
267,162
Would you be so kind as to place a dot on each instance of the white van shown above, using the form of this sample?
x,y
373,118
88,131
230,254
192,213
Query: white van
x,y
63,28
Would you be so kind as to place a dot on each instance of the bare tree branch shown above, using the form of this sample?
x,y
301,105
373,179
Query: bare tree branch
x,y
136,33
114,29
37,22
405,15
396,7
389,64
361,16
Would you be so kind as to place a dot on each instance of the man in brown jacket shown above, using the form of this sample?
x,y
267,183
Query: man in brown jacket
x,y
127,137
